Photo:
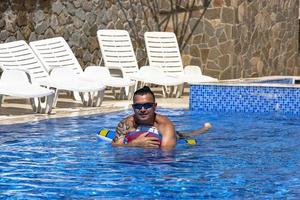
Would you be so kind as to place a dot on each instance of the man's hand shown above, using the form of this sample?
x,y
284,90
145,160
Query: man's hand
x,y
207,125
146,142
204,129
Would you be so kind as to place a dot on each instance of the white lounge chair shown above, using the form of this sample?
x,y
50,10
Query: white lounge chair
x,y
163,51
118,54
56,53
19,55
17,83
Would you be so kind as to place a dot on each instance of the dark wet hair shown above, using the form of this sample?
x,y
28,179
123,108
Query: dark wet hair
x,y
144,90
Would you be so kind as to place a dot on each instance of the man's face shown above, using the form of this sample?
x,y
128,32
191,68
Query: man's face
x,y
144,108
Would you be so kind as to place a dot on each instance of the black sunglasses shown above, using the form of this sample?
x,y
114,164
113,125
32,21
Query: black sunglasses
x,y
139,106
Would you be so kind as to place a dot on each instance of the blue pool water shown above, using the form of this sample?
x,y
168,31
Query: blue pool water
x,y
244,156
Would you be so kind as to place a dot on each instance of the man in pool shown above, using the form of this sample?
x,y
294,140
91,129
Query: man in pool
x,y
144,107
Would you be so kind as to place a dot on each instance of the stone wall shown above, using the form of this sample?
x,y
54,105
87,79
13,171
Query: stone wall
x,y
236,38
75,20
267,39
247,38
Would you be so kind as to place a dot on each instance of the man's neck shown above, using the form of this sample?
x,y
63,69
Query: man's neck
x,y
149,122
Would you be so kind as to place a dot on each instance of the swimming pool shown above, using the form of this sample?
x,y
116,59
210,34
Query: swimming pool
x,y
244,156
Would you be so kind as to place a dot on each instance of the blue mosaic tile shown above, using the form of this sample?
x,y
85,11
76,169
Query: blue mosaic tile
x,y
245,98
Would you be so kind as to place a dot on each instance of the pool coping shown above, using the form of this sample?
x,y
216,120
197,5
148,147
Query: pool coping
x,y
254,82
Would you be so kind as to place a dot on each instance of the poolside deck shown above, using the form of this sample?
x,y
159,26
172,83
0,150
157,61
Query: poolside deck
x,y
15,111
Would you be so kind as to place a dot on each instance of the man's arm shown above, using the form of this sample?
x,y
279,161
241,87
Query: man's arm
x,y
122,129
204,129
168,131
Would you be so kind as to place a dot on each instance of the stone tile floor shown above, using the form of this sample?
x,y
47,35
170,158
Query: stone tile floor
x,y
19,110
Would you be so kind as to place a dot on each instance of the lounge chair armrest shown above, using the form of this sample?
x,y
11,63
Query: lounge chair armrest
x,y
103,72
96,72
154,71
15,76
148,71
21,70
192,69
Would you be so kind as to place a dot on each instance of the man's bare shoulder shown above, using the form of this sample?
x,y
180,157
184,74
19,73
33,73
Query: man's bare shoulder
x,y
162,119
165,126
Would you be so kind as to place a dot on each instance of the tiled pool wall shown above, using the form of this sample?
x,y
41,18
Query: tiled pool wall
x,y
246,98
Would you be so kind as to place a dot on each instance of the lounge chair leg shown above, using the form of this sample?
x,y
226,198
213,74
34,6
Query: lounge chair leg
x,y
164,91
76,96
172,91
1,99
122,94
42,104
92,98
167,91
136,85
98,98
113,90
130,92
179,91
126,91
55,98
35,104
85,98
46,104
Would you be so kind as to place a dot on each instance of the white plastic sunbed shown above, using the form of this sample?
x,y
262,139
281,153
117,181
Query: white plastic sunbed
x,y
163,51
18,55
56,53
117,52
